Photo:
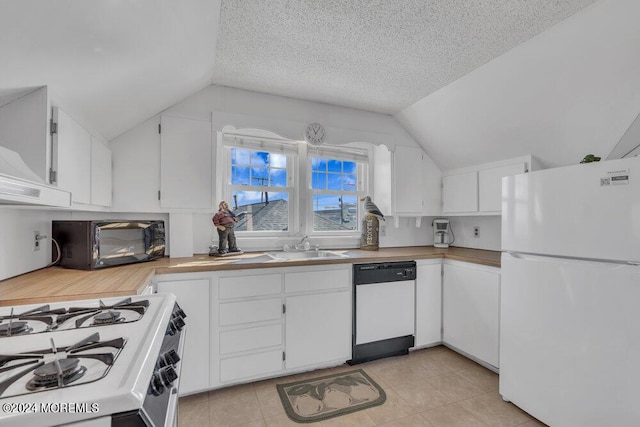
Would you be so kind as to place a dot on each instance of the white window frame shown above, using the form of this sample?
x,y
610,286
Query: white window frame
x,y
264,145
299,175
362,169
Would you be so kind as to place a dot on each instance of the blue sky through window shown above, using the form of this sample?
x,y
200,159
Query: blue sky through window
x,y
258,168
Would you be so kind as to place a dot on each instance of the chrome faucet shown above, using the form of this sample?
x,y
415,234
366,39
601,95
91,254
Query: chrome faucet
x,y
303,245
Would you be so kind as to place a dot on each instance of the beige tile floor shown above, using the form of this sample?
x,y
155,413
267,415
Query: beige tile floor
x,y
434,387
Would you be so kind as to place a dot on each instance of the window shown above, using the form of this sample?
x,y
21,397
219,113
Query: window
x,y
259,186
265,191
334,185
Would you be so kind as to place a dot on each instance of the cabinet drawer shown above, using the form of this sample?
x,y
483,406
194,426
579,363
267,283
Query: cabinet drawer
x,y
316,280
234,313
250,286
250,338
251,365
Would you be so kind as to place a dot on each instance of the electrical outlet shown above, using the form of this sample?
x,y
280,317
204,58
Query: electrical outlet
x,y
36,240
476,231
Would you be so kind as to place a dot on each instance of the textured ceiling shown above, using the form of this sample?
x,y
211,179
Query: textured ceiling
x,y
374,55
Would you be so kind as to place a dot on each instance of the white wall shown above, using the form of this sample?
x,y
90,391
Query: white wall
x,y
490,232
136,161
288,117
17,226
572,90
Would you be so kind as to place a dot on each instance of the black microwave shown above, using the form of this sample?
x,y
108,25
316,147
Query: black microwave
x,y
89,245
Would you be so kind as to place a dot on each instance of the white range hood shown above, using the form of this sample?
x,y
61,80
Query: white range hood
x,y
19,185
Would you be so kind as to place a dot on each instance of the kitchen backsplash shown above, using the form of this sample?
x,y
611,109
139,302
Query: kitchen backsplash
x,y
490,231
406,234
17,227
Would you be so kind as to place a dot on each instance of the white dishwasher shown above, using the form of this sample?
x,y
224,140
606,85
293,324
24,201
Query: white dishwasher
x,y
384,310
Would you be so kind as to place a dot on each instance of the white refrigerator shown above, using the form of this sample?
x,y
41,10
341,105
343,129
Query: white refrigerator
x,y
570,294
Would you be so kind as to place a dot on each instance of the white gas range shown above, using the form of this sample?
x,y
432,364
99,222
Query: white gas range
x,y
107,362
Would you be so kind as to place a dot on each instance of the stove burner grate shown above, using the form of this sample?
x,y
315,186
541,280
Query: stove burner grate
x,y
107,317
53,374
14,328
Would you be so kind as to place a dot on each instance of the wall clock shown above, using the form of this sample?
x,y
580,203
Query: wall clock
x,y
314,134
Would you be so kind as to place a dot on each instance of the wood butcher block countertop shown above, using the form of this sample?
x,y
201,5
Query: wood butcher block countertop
x,y
60,284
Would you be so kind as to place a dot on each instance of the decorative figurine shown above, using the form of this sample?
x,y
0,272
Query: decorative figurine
x,y
224,220
369,240
371,209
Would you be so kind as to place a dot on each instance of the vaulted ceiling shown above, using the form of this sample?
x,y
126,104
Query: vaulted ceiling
x,y
373,55
115,63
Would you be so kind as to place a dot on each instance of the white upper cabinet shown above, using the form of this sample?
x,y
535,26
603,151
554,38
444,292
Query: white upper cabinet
x,y
186,163
407,182
100,173
477,190
71,151
460,192
24,128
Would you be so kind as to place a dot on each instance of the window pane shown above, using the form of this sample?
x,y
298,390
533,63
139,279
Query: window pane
x,y
278,177
318,164
335,213
335,181
239,175
319,181
350,182
349,167
259,176
239,156
261,211
335,166
277,160
259,158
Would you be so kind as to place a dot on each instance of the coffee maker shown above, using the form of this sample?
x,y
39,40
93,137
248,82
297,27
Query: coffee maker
x,y
441,232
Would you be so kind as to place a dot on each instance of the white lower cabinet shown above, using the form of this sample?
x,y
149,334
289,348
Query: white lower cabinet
x,y
428,302
471,309
318,329
269,322
193,297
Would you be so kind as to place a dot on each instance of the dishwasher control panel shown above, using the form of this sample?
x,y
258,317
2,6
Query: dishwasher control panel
x,y
383,272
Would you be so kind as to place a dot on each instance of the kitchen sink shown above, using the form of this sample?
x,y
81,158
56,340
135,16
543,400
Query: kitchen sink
x,y
305,255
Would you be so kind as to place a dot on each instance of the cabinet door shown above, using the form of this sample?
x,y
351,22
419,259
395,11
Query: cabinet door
x,y
318,329
100,173
490,186
193,298
428,304
407,167
185,163
24,128
460,193
72,157
471,311
431,188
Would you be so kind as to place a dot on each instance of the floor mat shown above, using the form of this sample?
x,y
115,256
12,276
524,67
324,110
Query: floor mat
x,y
318,399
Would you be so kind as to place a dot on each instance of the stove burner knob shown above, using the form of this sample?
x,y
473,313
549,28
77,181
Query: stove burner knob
x,y
178,323
179,313
156,387
168,375
169,358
